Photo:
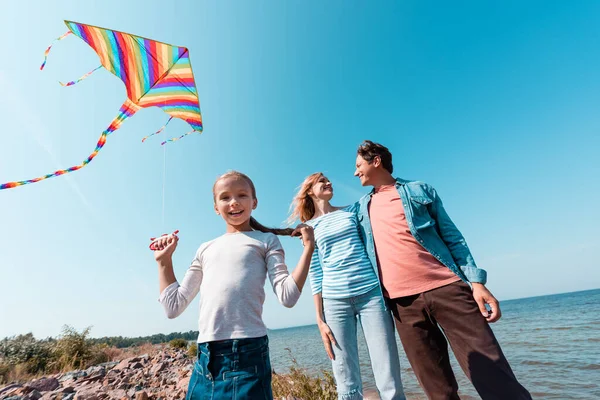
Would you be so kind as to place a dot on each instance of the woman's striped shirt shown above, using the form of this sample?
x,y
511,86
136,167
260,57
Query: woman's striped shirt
x,y
340,267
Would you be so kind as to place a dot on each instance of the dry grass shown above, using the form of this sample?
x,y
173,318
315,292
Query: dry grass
x,y
146,348
301,385
16,373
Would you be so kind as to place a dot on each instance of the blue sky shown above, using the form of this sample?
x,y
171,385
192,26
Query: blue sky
x,y
494,104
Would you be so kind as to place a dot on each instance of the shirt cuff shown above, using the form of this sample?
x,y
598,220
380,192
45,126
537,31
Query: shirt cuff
x,y
475,275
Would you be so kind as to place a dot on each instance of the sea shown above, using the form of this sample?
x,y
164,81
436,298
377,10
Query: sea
x,y
552,343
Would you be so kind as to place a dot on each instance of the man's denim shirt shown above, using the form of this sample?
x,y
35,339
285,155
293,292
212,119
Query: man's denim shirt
x,y
430,225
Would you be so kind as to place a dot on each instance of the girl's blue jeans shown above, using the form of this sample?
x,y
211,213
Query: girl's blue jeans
x,y
236,369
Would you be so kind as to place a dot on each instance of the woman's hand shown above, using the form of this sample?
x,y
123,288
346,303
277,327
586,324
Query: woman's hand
x,y
328,339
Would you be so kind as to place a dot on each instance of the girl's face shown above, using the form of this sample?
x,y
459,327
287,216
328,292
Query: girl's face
x,y
234,202
322,189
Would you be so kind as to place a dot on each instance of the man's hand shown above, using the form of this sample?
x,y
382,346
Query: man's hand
x,y
483,296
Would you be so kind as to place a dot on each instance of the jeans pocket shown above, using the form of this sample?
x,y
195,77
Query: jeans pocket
x,y
241,373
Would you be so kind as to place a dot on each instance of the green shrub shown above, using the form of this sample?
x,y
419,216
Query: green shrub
x,y
193,350
73,350
179,343
23,357
25,350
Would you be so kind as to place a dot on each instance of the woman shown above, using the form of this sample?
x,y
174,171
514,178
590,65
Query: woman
x,y
346,289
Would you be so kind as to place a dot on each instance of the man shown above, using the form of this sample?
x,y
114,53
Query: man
x,y
431,283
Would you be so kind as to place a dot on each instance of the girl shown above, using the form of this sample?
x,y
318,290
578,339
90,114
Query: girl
x,y
345,288
230,272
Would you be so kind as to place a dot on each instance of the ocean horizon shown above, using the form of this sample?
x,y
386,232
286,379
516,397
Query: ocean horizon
x,y
551,341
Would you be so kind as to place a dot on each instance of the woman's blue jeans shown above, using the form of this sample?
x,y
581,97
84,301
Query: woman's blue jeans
x,y
342,316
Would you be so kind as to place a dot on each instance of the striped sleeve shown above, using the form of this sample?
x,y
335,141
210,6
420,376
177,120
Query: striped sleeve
x,y
315,273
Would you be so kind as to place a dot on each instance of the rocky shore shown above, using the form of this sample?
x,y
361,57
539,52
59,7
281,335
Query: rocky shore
x,y
164,375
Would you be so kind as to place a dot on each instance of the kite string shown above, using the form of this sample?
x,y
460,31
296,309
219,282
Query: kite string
x,y
163,185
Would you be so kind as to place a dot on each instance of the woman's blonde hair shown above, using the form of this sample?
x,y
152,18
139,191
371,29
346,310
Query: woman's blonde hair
x,y
303,207
254,224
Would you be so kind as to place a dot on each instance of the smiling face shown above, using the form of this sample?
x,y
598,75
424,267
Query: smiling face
x,y
321,189
365,171
234,201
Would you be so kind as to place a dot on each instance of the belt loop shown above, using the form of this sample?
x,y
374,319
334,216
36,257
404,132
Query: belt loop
x,y
236,355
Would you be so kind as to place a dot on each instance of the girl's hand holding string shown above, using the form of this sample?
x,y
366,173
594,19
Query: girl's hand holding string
x,y
307,234
164,246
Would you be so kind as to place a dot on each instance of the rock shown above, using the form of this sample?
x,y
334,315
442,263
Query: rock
x,y
117,394
33,395
183,384
74,375
141,395
10,389
17,391
158,368
45,384
108,365
121,366
97,370
86,395
136,365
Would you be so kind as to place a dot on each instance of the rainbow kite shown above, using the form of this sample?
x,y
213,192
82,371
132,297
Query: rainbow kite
x,y
154,73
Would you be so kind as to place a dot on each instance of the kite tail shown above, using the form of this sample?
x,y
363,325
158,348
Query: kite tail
x,y
80,79
177,138
127,110
158,131
49,47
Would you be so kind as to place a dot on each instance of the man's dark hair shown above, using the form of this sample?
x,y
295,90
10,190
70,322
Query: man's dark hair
x,y
369,150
